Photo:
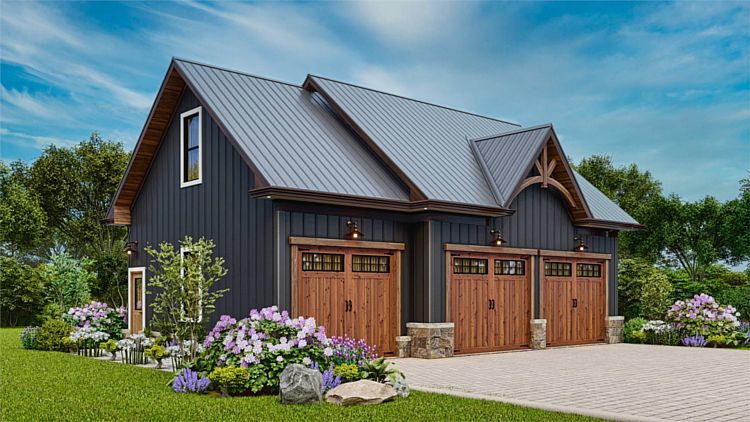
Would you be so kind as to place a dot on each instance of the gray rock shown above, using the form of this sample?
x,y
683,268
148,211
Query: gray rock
x,y
300,385
360,392
401,386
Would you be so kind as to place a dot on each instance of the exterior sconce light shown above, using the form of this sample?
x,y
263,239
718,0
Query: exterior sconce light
x,y
581,246
353,233
497,239
131,249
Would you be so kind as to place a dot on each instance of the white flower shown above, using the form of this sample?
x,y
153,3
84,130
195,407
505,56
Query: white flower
x,y
302,344
279,358
328,352
307,361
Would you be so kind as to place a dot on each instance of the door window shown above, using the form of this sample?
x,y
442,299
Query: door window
x,y
510,267
469,266
557,269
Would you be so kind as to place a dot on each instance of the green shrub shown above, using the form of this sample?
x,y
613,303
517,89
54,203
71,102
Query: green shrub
x,y
639,336
717,340
229,379
631,326
347,372
656,295
157,353
739,298
52,335
29,337
378,370
22,293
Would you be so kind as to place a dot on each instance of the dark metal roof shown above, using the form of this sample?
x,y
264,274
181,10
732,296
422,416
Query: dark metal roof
x,y
506,158
429,143
292,136
601,207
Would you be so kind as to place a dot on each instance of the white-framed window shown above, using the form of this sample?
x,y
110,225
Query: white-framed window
x,y
185,252
191,148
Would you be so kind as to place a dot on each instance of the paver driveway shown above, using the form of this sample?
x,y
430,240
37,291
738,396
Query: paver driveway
x,y
618,381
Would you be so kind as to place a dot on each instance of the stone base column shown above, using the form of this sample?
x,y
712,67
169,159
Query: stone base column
x,y
614,326
403,346
430,340
538,334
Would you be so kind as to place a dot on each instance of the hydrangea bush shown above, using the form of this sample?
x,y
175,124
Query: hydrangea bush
x,y
265,342
703,315
98,316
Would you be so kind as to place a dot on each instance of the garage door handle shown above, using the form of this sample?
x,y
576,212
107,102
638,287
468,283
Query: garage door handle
x,y
350,305
347,305
575,303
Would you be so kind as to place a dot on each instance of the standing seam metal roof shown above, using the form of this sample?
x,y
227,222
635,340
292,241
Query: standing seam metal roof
x,y
291,135
428,143
507,156
601,207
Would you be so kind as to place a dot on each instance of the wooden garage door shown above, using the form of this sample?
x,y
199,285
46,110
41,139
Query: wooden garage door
x,y
574,300
490,302
351,292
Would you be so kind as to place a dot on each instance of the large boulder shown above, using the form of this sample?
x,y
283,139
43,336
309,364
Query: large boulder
x,y
300,385
360,392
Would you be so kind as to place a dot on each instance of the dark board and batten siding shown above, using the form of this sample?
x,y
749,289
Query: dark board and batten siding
x,y
541,221
219,209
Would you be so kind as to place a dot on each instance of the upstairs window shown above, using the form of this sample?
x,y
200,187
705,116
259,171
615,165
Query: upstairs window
x,y
191,142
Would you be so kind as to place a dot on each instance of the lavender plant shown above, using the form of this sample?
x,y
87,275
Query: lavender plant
x,y
28,337
329,379
694,341
189,381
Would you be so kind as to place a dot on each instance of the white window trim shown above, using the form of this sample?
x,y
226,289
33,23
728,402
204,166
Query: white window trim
x,y
182,274
199,111
141,270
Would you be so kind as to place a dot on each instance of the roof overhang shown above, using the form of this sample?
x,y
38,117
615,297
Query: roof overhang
x,y
272,192
610,225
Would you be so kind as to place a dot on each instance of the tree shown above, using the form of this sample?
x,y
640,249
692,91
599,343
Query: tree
x,y
184,287
656,295
22,293
735,226
23,223
68,281
75,186
630,278
636,192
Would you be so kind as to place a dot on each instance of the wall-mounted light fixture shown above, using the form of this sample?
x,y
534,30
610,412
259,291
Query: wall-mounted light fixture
x,y
581,246
131,248
353,233
497,238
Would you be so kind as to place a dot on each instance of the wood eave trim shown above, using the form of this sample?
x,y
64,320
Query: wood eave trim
x,y
378,203
343,243
111,212
572,175
572,254
457,247
415,192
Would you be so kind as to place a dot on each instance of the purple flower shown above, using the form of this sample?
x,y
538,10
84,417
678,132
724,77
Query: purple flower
x,y
188,381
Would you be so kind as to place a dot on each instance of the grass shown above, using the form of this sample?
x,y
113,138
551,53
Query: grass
x,y
55,386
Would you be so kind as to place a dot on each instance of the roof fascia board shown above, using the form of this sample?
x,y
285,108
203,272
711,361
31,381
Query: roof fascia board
x,y
302,195
110,211
415,193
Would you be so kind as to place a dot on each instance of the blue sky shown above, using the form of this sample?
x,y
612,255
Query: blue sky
x,y
664,85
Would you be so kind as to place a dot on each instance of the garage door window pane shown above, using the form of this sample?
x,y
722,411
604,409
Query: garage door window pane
x,y
322,262
371,264
589,270
469,266
510,267
557,269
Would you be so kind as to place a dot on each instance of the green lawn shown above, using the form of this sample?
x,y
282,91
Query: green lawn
x,y
57,386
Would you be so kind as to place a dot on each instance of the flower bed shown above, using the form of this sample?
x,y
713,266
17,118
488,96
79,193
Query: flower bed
x,y
247,356
98,316
697,322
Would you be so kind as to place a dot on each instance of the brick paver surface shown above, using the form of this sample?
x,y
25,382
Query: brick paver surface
x,y
622,381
